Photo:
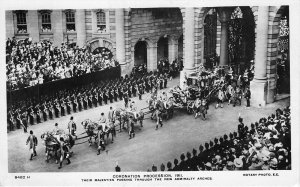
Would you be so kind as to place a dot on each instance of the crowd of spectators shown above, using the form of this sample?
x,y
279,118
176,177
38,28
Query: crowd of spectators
x,y
265,145
30,63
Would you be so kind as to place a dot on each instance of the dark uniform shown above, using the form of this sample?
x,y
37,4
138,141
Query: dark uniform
x,y
100,98
116,93
101,144
165,80
111,95
131,128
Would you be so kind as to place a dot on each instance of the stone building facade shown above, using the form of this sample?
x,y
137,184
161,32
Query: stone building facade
x,y
181,30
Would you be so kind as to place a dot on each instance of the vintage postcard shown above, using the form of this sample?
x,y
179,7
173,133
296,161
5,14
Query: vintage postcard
x,y
135,93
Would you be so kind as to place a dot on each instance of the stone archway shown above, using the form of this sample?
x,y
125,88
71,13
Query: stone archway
x,y
102,43
274,52
140,53
151,53
163,47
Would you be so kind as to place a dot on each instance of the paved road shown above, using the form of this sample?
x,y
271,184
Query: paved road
x,y
180,134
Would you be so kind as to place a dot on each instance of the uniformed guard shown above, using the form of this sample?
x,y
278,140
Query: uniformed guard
x,y
80,102
100,143
95,98
11,120
31,116
75,104
161,81
165,80
247,96
100,98
24,122
139,92
106,95
120,90
111,95
38,114
134,89
85,101
50,109
62,108
64,152
116,93
129,89
90,100
131,127
72,127
45,112
126,98
33,142
69,105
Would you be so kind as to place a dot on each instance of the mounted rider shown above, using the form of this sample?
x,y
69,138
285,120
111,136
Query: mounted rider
x,y
102,119
133,109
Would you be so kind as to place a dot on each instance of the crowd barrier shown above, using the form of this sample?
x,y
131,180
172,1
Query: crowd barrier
x,y
46,88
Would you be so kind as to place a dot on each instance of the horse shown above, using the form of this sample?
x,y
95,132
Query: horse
x,y
137,116
51,142
51,146
90,129
109,129
120,118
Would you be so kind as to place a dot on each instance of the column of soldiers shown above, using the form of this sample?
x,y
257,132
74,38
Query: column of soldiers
x,y
66,102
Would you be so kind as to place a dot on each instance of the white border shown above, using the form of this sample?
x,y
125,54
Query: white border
x,y
220,178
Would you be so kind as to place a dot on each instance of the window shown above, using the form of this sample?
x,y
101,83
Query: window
x,y
46,22
21,22
101,22
70,21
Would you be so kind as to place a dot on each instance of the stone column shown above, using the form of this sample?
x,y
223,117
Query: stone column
x,y
120,36
189,47
224,16
57,27
9,23
258,86
33,25
173,49
80,27
152,58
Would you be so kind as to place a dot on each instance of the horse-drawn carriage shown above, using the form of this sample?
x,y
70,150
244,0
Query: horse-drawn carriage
x,y
120,120
184,99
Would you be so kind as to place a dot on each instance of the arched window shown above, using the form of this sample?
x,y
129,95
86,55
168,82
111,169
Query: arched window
x,y
46,22
21,22
70,21
101,21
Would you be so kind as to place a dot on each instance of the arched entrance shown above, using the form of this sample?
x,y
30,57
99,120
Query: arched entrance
x,y
102,43
105,52
210,39
162,48
140,53
283,58
241,39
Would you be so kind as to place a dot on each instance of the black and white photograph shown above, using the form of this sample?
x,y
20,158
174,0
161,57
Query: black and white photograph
x,y
160,93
